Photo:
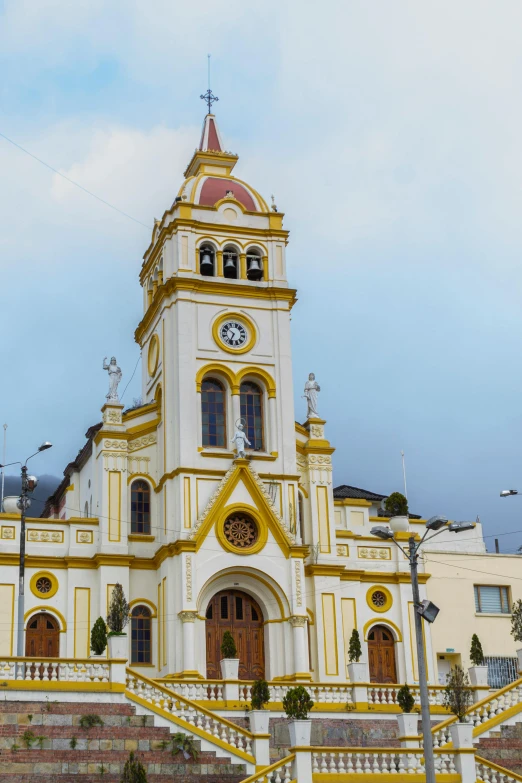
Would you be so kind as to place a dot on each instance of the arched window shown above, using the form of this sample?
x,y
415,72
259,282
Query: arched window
x,y
251,401
213,415
140,507
254,264
206,261
141,635
230,263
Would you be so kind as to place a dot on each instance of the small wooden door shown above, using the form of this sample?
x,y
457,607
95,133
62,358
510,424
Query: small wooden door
x,y
238,613
381,655
42,637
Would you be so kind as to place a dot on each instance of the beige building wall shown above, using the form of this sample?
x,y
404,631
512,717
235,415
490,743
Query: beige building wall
x,y
451,587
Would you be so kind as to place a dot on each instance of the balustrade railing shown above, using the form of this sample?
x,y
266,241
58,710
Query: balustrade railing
x,y
387,694
55,669
481,712
395,761
487,772
280,772
173,703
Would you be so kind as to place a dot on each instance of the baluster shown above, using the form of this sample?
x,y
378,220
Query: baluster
x,y
385,764
451,764
232,734
54,671
315,763
349,764
287,772
215,728
340,766
401,764
367,766
376,768
248,745
324,766
393,764
22,667
358,764
332,767
224,733
277,778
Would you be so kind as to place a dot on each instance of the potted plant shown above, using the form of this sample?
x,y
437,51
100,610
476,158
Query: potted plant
x,y
117,620
396,507
357,672
478,673
98,638
229,663
259,717
408,720
458,697
516,628
297,704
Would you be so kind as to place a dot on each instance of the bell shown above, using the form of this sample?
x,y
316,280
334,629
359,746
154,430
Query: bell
x,y
206,260
253,264
230,263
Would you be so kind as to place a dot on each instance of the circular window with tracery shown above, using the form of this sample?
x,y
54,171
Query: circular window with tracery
x,y
44,585
378,599
241,531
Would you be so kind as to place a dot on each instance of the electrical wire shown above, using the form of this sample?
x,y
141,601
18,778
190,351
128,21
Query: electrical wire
x,y
132,376
76,184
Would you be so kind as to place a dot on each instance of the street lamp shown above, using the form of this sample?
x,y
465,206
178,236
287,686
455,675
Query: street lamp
x,y
29,483
425,609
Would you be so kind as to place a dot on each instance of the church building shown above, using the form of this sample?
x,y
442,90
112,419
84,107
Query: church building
x,y
209,503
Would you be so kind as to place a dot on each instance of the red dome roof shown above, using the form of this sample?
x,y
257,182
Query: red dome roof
x,y
215,188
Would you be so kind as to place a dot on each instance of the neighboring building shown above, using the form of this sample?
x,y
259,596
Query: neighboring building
x,y
203,541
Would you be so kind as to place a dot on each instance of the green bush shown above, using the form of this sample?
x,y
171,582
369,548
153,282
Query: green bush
x,y
186,744
133,771
476,653
260,695
28,738
228,646
88,721
396,505
516,621
458,695
99,637
118,616
297,703
405,699
354,650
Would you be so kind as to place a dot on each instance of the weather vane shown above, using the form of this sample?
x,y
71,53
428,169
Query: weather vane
x,y
209,96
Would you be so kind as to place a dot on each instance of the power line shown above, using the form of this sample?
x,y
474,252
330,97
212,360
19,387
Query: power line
x,y
132,376
76,184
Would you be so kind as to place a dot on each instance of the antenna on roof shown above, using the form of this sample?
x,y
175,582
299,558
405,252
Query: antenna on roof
x,y
209,97
404,475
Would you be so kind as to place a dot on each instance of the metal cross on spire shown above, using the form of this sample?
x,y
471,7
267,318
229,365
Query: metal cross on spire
x,y
209,96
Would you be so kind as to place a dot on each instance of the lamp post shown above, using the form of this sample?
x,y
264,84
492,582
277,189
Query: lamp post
x,y
29,484
429,611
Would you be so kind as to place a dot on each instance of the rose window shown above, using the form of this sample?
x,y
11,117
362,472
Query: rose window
x,y
241,531
378,599
44,584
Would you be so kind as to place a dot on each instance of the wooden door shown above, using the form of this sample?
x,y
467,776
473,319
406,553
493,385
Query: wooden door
x,y
238,613
381,655
42,637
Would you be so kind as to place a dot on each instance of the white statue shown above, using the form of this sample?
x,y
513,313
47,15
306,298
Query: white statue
x,y
240,439
310,395
114,379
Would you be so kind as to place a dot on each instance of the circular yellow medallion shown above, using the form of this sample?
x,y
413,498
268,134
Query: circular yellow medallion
x,y
153,356
43,584
379,598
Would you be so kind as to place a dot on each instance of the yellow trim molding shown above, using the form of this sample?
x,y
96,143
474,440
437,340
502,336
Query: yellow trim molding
x,y
39,575
381,621
153,355
247,322
144,476
379,589
141,411
141,537
137,602
262,529
50,610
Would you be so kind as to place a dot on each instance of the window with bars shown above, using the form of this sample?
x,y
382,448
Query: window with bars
x,y
140,508
251,403
490,599
213,416
141,635
501,671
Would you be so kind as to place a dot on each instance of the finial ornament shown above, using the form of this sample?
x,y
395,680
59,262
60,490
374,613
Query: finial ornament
x,y
114,379
240,439
274,205
311,390
209,96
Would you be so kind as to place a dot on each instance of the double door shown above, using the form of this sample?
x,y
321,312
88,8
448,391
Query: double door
x,y
237,612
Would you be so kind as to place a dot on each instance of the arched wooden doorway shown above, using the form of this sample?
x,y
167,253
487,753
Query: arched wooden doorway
x,y
381,655
42,636
231,610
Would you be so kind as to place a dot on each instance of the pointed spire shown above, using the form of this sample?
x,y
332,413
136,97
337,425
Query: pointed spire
x,y
210,136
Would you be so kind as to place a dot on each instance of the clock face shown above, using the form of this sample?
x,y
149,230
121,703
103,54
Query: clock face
x,y
233,334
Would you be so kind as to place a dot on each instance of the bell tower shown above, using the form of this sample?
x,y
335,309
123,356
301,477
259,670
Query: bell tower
x,y
215,337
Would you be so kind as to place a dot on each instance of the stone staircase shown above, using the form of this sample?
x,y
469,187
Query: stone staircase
x,y
503,747
101,751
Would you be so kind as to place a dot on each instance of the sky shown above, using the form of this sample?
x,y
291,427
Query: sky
x,y
389,134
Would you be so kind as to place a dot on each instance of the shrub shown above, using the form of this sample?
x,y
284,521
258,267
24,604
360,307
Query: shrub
x,y
73,743
88,721
476,653
228,646
405,699
297,703
516,621
186,744
354,650
99,637
260,695
28,738
118,616
133,771
396,505
458,695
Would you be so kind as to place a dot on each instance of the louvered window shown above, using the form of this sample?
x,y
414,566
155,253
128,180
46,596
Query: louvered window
x,y
492,600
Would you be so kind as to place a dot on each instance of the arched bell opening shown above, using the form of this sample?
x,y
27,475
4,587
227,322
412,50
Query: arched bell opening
x,y
207,261
254,265
230,263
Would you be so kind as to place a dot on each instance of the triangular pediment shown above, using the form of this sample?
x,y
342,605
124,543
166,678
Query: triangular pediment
x,y
241,485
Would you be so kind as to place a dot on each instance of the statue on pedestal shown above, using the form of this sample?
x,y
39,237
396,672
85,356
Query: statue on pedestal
x,y
114,379
240,439
311,390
